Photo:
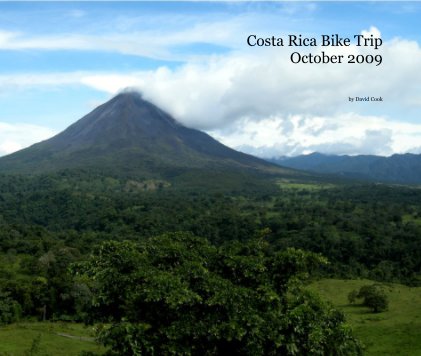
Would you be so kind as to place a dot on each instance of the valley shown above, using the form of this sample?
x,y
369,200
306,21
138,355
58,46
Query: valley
x,y
161,239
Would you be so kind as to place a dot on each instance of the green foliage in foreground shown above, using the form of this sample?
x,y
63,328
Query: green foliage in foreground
x,y
45,338
392,332
179,295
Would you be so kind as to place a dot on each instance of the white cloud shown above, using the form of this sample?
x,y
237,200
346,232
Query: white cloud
x,y
166,35
371,31
14,137
261,100
149,43
6,37
34,80
211,93
348,133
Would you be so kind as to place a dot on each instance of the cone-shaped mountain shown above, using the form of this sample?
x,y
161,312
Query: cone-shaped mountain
x,y
131,135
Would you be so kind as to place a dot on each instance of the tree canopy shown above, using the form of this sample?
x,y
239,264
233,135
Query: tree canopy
x,y
178,294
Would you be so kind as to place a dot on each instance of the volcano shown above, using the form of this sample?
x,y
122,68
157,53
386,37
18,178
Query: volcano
x,y
130,136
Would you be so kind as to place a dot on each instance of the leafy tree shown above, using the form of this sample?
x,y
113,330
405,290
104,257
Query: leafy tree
x,y
374,297
10,309
177,294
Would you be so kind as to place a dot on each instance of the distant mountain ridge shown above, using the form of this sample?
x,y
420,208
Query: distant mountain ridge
x,y
399,168
130,135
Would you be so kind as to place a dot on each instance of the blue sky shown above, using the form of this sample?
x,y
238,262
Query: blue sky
x,y
58,60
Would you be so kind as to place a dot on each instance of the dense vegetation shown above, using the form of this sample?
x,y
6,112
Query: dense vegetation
x,y
51,224
178,295
392,332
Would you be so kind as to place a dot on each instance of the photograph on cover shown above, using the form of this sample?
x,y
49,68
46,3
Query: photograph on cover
x,y
210,178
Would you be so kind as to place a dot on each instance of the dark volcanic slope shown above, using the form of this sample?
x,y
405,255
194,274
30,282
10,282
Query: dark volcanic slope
x,y
129,134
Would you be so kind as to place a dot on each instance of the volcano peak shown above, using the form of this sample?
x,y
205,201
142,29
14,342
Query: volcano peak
x,y
128,133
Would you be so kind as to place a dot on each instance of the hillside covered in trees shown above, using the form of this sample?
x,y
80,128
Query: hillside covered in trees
x,y
67,238
171,243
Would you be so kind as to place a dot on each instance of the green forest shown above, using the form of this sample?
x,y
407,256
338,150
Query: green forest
x,y
159,268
